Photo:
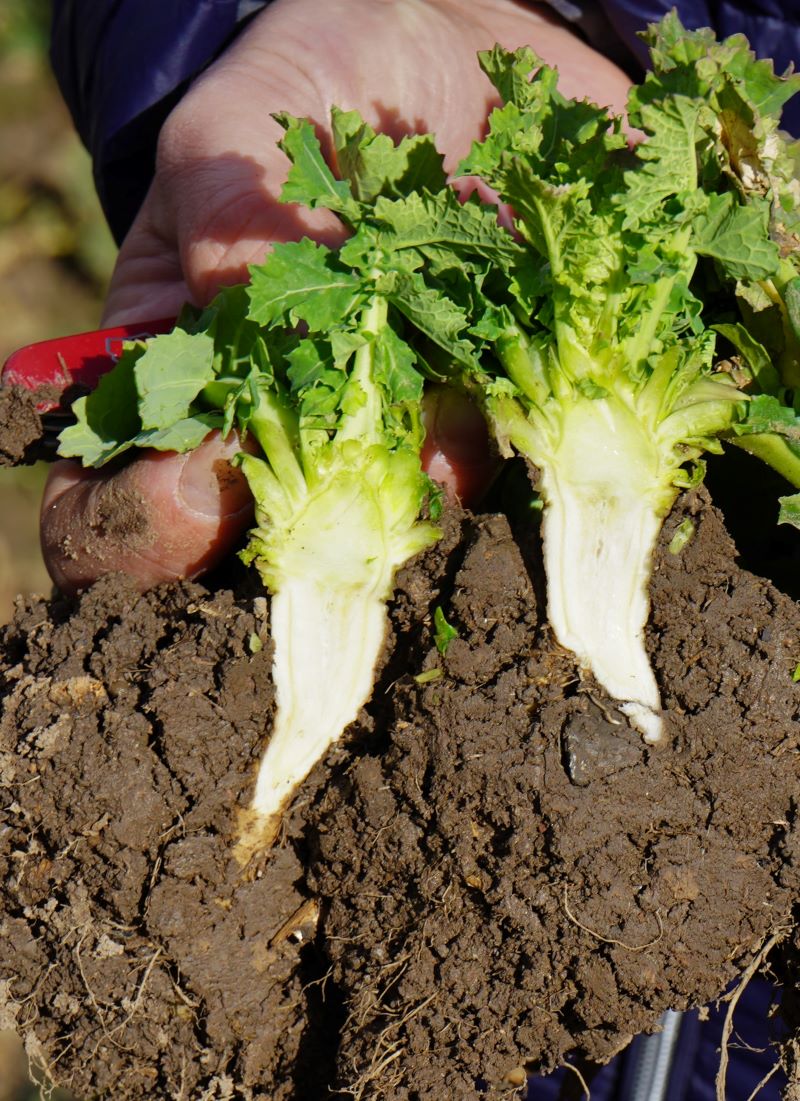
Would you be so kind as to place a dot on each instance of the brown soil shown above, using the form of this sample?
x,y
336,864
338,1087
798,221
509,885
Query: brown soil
x,y
499,873
22,426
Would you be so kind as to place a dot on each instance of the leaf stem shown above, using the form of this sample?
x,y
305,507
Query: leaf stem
x,y
773,450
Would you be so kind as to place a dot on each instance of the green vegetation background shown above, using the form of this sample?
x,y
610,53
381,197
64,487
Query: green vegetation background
x,y
56,256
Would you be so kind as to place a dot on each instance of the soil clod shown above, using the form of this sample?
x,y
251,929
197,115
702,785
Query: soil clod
x,y
493,872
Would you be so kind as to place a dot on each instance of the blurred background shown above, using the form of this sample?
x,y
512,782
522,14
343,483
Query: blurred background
x,y
55,251
56,256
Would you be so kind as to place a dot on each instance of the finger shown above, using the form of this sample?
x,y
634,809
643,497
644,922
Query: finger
x,y
163,516
229,219
457,452
219,179
147,281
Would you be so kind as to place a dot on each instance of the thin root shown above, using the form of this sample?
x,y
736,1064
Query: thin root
x,y
764,1081
586,1091
386,1052
727,1027
611,940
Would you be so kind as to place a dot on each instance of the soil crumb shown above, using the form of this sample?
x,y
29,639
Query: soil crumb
x,y
20,426
491,872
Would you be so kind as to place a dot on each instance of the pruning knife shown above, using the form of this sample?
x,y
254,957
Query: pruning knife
x,y
58,371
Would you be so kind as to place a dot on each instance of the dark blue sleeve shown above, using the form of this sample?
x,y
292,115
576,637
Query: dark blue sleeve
x,y
122,65
687,1070
772,27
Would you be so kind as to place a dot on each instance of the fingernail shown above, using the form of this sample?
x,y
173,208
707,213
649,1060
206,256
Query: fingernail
x,y
210,485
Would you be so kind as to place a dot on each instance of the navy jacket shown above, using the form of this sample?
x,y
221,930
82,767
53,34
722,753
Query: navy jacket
x,y
123,64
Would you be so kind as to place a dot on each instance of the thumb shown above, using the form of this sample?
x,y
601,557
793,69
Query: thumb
x,y
161,517
457,452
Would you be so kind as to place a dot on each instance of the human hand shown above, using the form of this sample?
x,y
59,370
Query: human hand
x,y
408,66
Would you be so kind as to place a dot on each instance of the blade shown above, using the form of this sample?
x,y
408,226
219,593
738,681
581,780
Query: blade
x,y
56,365
56,372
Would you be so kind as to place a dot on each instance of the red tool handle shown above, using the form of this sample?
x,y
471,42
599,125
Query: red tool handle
x,y
70,360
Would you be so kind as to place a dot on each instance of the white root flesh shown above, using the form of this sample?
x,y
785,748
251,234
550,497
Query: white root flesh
x,y
327,643
600,525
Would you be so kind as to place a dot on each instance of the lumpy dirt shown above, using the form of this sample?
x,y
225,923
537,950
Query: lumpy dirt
x,y
20,424
491,872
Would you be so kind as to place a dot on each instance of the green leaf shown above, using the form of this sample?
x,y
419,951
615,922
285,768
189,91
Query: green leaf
x,y
310,180
374,165
430,675
562,140
107,417
684,534
667,160
310,362
394,367
435,315
301,281
170,374
591,389
95,448
184,435
737,237
675,52
790,514
510,72
344,342
435,495
432,224
792,299
754,354
695,63
235,335
317,382
766,414
546,210
444,632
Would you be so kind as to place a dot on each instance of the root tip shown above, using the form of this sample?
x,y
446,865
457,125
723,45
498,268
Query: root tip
x,y
256,836
648,722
